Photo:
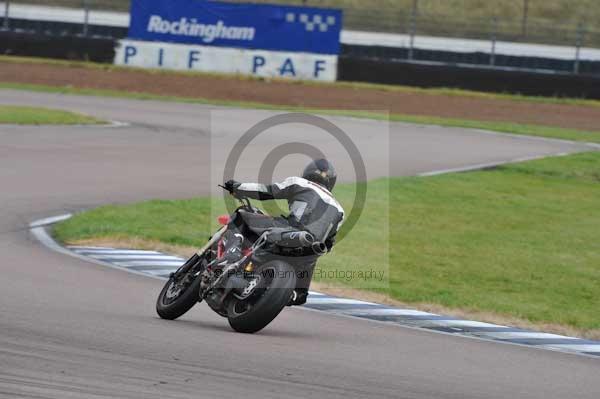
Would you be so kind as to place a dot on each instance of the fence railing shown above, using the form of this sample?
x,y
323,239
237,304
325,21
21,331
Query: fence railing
x,y
520,21
104,5
539,21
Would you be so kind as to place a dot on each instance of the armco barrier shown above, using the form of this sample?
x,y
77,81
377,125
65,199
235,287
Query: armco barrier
x,y
388,53
350,68
60,47
56,28
471,58
421,74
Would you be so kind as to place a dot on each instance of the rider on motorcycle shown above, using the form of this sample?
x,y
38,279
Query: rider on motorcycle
x,y
313,209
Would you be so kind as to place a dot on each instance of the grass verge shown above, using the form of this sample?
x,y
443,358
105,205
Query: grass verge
x,y
352,85
17,115
517,243
503,127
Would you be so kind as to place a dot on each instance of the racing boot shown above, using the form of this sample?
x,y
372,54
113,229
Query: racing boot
x,y
232,242
299,297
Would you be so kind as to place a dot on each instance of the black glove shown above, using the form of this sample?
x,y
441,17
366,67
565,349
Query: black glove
x,y
231,186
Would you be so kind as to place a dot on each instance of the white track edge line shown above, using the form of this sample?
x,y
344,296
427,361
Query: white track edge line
x,y
472,168
111,124
43,236
45,239
127,257
49,220
456,335
37,228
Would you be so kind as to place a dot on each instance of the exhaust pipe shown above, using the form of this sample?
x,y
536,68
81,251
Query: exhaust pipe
x,y
297,239
302,239
319,248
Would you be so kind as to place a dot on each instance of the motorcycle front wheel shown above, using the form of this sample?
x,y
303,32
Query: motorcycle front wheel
x,y
180,293
277,283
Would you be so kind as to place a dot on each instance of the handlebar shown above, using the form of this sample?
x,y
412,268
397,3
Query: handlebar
x,y
223,187
244,200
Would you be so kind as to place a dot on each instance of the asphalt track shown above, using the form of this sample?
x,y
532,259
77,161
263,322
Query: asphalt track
x,y
69,328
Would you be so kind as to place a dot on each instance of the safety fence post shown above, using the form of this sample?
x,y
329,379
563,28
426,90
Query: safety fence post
x,y
413,28
525,18
578,45
6,14
86,16
494,33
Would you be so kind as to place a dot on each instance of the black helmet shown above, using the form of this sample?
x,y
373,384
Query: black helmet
x,y
322,172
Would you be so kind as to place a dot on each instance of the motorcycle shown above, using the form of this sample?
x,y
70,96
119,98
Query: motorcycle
x,y
251,292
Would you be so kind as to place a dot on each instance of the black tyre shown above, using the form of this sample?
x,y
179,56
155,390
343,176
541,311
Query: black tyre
x,y
179,294
278,280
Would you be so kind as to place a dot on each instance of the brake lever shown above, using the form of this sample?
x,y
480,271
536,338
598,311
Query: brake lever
x,y
241,200
226,189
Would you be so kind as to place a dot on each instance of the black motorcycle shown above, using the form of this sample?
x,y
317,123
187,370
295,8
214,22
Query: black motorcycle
x,y
251,292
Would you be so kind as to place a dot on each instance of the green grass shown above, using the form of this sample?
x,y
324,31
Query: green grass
x,y
519,240
42,116
351,85
551,21
503,127
549,11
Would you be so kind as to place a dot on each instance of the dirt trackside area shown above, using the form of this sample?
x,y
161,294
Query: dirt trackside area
x,y
329,96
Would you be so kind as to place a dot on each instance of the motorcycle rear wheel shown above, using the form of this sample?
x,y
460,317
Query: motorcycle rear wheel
x,y
275,294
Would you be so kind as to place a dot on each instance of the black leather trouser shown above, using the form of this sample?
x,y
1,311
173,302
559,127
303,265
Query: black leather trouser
x,y
249,226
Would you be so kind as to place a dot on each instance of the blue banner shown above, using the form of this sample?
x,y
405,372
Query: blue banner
x,y
250,26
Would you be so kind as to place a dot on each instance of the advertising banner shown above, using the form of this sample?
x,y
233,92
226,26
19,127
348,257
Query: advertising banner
x,y
245,26
259,63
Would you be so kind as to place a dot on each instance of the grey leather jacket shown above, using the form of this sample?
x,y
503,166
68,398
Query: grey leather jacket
x,y
312,207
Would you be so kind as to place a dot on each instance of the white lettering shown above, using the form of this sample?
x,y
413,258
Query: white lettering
x,y
154,23
165,27
208,33
206,58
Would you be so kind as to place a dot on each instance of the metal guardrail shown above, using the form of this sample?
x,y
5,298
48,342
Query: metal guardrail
x,y
555,22
104,5
506,20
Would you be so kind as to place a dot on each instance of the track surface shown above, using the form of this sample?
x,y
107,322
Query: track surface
x,y
75,329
